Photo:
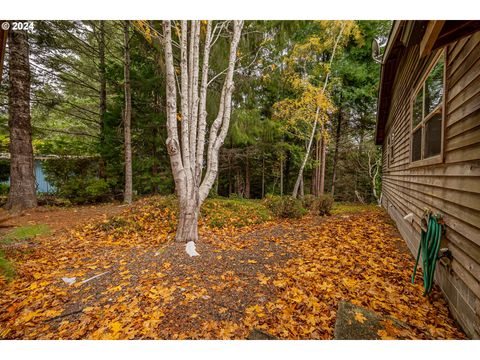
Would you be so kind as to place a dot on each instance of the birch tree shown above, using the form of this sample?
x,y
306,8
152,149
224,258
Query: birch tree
x,y
312,134
186,144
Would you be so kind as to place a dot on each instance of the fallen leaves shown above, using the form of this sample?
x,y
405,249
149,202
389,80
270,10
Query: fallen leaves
x,y
360,317
283,277
262,279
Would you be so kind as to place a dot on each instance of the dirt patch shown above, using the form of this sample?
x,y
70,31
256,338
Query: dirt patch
x,y
58,218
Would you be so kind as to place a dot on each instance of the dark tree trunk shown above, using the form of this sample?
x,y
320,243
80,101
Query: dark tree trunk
x,y
247,177
281,176
323,158
22,177
337,145
238,183
230,189
317,172
263,175
155,128
302,191
154,162
102,95
286,173
127,120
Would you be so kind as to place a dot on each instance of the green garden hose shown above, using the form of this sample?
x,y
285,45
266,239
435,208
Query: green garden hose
x,y
428,249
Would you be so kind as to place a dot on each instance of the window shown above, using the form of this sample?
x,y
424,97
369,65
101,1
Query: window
x,y
427,114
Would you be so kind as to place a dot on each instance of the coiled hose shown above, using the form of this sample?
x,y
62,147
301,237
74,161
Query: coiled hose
x,y
428,249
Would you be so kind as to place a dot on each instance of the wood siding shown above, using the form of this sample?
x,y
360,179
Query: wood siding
x,y
451,186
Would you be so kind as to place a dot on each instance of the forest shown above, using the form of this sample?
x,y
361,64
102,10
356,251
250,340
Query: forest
x,y
78,79
199,180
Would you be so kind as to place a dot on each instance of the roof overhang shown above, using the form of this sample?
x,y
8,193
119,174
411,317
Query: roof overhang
x,y
429,35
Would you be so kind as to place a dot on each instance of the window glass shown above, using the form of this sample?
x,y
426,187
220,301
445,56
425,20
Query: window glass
x,y
433,135
417,108
434,88
417,145
427,114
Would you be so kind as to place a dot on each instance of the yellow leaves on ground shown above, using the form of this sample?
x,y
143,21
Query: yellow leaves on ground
x,y
163,293
262,279
360,317
283,277
281,283
115,326
384,336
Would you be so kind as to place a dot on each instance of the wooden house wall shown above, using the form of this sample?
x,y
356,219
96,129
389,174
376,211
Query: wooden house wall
x,y
451,187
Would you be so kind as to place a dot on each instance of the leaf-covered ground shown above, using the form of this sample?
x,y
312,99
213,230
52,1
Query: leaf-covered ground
x,y
285,277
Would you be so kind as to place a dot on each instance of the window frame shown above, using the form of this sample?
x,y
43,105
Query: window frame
x,y
439,158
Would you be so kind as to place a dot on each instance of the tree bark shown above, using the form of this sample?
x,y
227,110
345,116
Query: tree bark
x,y
316,173
230,186
127,120
238,184
281,176
22,177
263,175
187,228
323,158
337,144
247,177
186,152
302,190
304,162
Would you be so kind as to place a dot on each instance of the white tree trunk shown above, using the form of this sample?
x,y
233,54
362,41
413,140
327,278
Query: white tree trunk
x,y
187,153
304,162
312,134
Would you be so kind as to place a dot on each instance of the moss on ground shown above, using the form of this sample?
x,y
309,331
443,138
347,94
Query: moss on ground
x,y
341,208
221,212
26,232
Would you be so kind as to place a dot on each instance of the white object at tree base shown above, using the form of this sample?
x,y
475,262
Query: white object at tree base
x,y
69,281
190,249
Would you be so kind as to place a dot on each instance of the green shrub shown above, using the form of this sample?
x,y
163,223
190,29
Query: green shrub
x,y
308,200
285,206
85,190
77,180
322,205
52,200
4,189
